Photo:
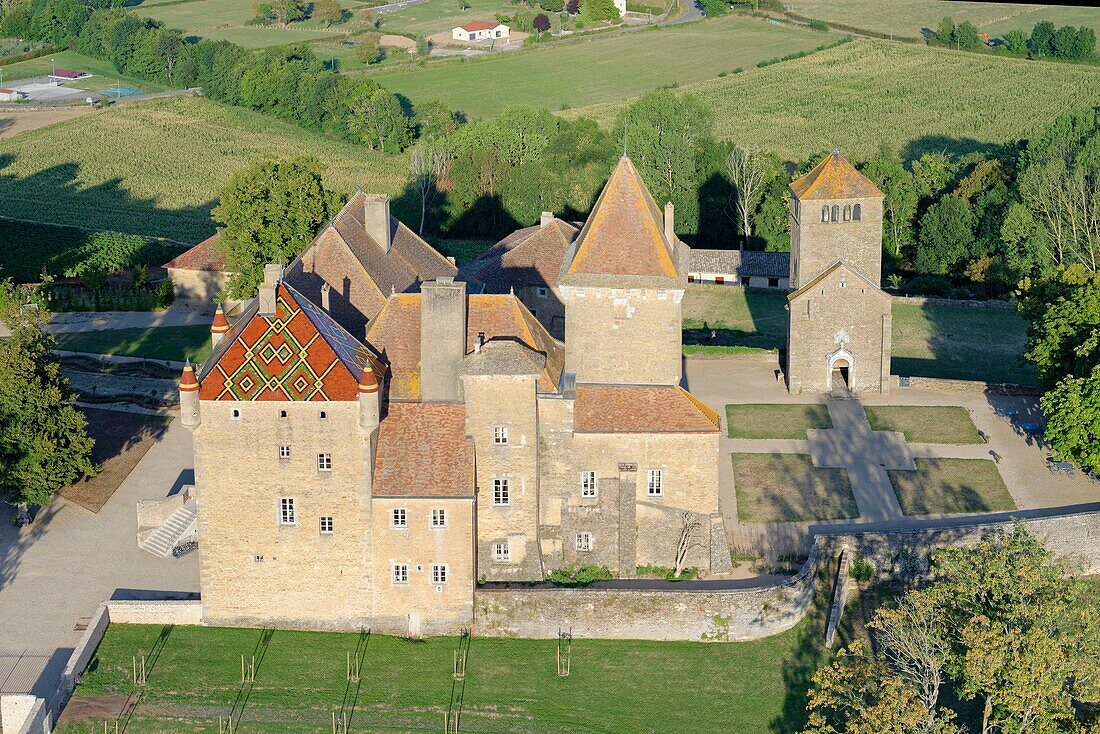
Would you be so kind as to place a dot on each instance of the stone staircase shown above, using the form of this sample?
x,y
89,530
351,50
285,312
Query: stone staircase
x,y
179,525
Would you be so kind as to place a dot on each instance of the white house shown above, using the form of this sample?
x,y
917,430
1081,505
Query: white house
x,y
479,30
10,95
620,5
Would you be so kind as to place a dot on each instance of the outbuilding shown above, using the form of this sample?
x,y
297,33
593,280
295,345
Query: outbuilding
x,y
479,30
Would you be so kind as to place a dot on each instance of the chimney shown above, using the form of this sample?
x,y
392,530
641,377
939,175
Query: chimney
x,y
189,398
376,220
442,339
325,288
547,217
219,327
273,274
670,223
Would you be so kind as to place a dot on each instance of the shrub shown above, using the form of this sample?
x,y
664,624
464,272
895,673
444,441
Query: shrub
x,y
819,25
579,577
861,570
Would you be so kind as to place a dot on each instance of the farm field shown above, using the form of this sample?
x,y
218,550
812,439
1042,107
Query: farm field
x,y
912,17
928,340
193,676
105,74
611,68
156,168
227,19
861,94
13,123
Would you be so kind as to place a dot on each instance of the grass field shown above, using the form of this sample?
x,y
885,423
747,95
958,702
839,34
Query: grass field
x,y
511,686
436,16
865,93
912,17
949,424
226,19
176,343
156,168
601,69
928,340
105,74
789,488
940,486
775,421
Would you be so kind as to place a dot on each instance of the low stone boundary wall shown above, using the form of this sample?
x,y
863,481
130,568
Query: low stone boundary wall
x,y
992,305
1000,388
172,611
21,714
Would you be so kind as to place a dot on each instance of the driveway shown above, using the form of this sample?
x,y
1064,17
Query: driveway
x,y
54,573
184,313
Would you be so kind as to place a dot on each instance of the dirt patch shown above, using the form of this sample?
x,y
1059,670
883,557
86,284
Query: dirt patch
x,y
94,707
121,440
388,39
13,123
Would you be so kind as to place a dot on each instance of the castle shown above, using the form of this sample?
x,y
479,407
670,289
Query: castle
x,y
365,458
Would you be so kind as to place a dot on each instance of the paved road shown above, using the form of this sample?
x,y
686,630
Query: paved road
x,y
694,12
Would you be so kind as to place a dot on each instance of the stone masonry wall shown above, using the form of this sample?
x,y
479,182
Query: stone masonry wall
x,y
820,244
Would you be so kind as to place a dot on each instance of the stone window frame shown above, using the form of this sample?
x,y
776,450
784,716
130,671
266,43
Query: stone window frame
x,y
324,462
582,542
439,518
326,525
288,511
655,488
834,213
502,552
284,452
439,574
282,415
590,485
400,573
825,213
502,492
500,435
399,518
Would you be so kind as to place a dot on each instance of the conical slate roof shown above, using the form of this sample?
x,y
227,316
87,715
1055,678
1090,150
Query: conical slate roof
x,y
835,178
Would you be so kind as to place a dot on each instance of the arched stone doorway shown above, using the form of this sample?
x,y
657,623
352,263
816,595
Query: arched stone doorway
x,y
841,376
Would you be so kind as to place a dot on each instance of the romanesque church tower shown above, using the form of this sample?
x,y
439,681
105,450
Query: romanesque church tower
x,y
839,316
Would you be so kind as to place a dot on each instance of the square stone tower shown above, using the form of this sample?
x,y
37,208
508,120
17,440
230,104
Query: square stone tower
x,y
838,338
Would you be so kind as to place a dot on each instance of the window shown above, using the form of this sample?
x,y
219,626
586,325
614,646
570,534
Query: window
x,y
857,213
287,516
655,482
500,435
235,414
326,526
439,518
834,214
541,292
284,452
500,491
324,415
501,552
583,542
745,280
588,484
282,414
324,462
719,279
401,573
847,212
400,519
773,282
824,213
439,573
691,278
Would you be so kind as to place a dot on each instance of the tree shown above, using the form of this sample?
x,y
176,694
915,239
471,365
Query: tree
x,y
597,10
1016,42
378,119
328,11
169,46
1042,39
966,36
552,6
1064,43
44,444
269,212
946,230
945,32
1072,412
434,121
932,173
541,24
748,172
1085,44
900,203
287,11
369,49
690,525
573,6
427,165
1064,316
714,8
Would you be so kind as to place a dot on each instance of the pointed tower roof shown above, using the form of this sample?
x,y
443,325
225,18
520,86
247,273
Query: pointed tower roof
x,y
220,324
835,178
623,236
188,383
368,382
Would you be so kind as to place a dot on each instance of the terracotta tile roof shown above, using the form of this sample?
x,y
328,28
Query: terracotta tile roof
x,y
207,255
395,335
479,25
838,265
423,451
835,178
624,234
613,409
532,256
300,353
741,263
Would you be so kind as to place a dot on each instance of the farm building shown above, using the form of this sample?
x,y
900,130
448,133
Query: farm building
x,y
620,5
10,95
740,267
479,30
69,75
199,274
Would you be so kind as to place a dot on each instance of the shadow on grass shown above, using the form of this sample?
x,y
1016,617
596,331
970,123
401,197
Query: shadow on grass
x,y
358,659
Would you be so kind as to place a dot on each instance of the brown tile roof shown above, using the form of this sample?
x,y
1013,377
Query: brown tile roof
x,y
613,409
395,335
479,25
529,256
624,234
423,451
207,255
835,178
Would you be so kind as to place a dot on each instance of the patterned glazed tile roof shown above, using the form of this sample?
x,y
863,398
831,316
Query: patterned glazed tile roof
x,y
658,409
835,178
207,255
423,451
528,256
838,265
395,335
623,236
741,263
300,353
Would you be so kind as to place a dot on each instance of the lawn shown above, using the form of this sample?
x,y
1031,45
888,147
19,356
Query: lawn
x,y
105,74
929,340
789,488
775,421
227,19
912,17
863,94
587,71
175,343
194,677
156,168
941,486
436,16
948,424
